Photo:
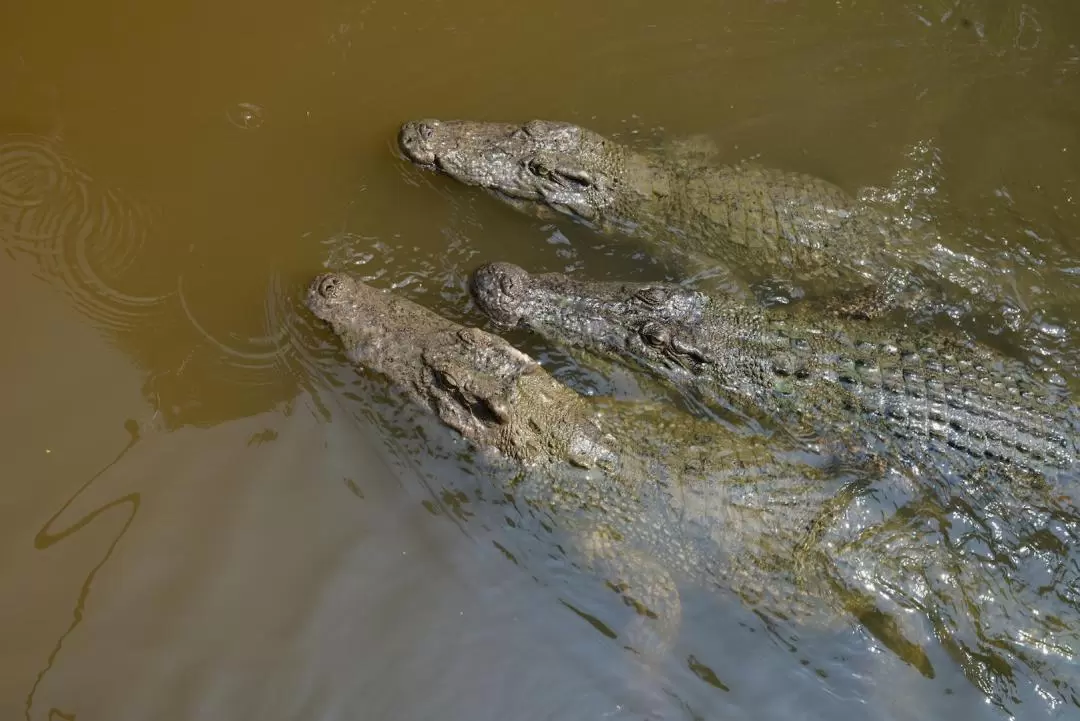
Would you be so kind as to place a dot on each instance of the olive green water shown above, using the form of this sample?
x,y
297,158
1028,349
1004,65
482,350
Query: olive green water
x,y
205,516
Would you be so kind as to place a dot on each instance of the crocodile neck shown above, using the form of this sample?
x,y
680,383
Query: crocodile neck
x,y
759,216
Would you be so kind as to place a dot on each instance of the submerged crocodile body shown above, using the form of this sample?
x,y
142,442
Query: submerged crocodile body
x,y
646,491
915,390
759,222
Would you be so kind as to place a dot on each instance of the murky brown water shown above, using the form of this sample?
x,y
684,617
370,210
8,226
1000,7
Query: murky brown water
x,y
206,516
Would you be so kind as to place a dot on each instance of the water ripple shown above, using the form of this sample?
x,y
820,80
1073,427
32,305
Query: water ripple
x,y
257,351
82,235
991,564
246,116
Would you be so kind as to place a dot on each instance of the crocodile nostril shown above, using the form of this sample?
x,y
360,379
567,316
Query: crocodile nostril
x,y
328,286
425,131
509,285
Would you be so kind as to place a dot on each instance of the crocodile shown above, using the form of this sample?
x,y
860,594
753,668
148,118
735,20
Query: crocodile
x,y
914,391
763,224
648,492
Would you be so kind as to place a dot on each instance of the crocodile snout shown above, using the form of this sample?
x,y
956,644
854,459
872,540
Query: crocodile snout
x,y
498,289
414,139
327,285
321,293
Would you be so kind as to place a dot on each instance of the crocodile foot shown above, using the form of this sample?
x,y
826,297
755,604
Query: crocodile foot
x,y
644,585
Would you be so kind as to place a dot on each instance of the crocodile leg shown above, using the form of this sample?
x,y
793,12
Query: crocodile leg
x,y
644,585
880,624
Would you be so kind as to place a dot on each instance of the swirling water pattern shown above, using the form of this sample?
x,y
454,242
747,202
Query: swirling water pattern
x,y
83,236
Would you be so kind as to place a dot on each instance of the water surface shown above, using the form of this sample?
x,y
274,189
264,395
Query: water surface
x,y
206,515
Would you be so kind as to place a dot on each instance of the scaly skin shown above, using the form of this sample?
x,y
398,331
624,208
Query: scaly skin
x,y
645,490
761,223
915,390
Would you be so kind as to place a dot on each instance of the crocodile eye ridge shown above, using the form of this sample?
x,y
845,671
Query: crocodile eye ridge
x,y
651,296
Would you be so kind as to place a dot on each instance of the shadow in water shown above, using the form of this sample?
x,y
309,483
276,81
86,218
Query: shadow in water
x,y
47,537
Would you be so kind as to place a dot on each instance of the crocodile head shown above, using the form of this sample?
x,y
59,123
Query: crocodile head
x,y
650,323
541,167
475,382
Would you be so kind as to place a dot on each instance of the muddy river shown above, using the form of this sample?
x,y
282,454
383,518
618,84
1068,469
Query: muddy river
x,y
206,513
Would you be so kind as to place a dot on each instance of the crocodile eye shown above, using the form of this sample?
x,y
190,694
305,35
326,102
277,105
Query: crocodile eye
x,y
538,168
448,379
491,411
535,127
655,335
651,296
579,178
328,286
520,135
467,336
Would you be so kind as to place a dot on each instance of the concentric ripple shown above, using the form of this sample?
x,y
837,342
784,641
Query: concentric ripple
x,y
83,236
